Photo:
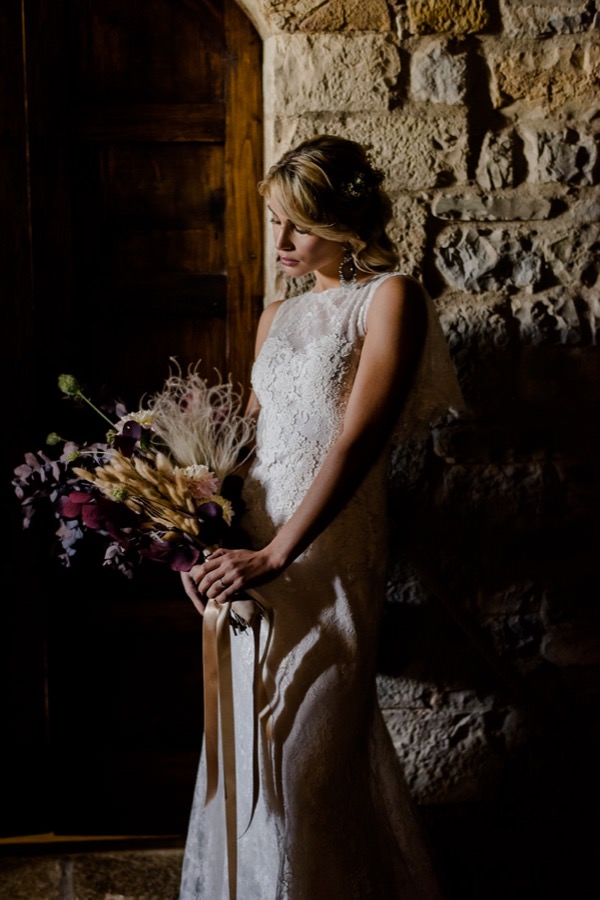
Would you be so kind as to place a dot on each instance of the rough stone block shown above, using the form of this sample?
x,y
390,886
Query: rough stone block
x,y
585,206
566,155
496,166
488,260
571,252
408,230
347,15
309,74
544,17
498,495
438,75
544,74
547,318
478,329
447,757
450,16
507,206
415,150
398,693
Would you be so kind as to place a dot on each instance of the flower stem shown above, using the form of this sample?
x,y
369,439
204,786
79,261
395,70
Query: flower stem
x,y
70,386
95,408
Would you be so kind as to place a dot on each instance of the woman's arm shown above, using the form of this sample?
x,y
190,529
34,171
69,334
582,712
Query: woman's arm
x,y
395,333
189,579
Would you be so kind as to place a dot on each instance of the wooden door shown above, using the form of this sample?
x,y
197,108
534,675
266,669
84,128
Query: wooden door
x,y
138,144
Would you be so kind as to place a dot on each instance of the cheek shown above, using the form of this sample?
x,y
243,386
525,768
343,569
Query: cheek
x,y
320,248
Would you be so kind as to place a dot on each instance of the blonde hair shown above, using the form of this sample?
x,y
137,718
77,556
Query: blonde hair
x,y
327,185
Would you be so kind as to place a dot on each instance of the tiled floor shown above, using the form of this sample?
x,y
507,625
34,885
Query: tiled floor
x,y
102,875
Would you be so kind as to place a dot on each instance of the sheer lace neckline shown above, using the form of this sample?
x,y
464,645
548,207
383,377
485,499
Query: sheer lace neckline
x,y
352,287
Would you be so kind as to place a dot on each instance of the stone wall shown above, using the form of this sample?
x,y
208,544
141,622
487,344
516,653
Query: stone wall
x,y
485,117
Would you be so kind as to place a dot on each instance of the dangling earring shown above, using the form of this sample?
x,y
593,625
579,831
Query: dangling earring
x,y
347,269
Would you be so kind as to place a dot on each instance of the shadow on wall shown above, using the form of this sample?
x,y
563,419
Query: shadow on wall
x,y
492,611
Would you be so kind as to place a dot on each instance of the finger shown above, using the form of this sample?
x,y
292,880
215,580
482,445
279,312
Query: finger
x,y
191,590
188,583
218,590
207,572
213,581
199,605
213,554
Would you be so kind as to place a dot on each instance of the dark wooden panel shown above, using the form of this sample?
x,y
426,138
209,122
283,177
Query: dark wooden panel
x,y
155,51
137,115
243,169
170,298
156,208
125,701
23,744
203,122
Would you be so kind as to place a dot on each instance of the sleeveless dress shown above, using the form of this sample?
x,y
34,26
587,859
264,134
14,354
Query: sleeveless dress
x,y
323,811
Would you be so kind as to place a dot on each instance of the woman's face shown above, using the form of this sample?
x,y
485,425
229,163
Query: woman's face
x,y
300,252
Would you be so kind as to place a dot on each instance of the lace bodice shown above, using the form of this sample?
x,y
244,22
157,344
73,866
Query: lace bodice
x,y
302,379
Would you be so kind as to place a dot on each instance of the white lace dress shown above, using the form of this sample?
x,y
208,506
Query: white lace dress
x,y
322,809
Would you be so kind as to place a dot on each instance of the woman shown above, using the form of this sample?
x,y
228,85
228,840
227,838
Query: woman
x,y
320,809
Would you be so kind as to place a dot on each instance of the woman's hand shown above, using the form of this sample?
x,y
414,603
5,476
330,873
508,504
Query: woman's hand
x,y
226,573
189,587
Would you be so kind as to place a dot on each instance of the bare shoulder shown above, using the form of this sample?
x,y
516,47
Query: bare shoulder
x,y
398,300
270,310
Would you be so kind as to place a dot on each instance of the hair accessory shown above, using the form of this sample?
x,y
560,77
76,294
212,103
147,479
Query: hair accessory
x,y
361,185
347,269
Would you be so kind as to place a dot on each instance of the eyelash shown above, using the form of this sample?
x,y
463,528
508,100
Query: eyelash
x,y
295,227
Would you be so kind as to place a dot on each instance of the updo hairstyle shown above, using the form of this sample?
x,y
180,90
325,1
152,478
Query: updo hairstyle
x,y
328,186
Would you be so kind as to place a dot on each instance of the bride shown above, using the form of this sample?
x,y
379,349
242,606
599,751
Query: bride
x,y
300,795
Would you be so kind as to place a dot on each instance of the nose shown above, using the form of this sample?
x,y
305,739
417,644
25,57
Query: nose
x,y
283,237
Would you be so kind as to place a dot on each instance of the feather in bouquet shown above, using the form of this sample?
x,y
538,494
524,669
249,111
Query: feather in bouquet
x,y
161,486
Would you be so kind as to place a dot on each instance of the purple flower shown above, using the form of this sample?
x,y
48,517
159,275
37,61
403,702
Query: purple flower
x,y
131,434
179,555
97,513
80,505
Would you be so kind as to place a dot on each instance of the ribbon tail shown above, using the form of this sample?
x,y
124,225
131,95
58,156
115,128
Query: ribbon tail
x,y
211,697
219,724
228,742
255,726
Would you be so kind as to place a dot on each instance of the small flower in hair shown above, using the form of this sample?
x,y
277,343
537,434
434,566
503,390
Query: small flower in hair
x,y
360,185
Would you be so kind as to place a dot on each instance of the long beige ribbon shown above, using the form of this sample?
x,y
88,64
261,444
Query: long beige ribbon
x,y
219,719
218,710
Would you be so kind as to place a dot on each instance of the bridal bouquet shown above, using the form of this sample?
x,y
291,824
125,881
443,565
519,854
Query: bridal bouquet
x,y
162,485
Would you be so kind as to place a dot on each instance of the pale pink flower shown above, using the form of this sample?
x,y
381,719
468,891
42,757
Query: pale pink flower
x,y
201,482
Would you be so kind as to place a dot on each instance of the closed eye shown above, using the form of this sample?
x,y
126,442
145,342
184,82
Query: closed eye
x,y
275,221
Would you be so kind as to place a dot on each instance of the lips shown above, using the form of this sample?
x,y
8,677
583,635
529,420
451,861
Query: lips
x,y
288,261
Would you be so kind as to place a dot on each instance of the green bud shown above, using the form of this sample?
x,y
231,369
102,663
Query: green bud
x,y
69,385
53,439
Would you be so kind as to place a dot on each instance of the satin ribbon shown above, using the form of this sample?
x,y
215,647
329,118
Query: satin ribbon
x,y
219,717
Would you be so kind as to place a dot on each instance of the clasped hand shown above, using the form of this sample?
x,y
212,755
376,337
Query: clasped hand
x,y
225,573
